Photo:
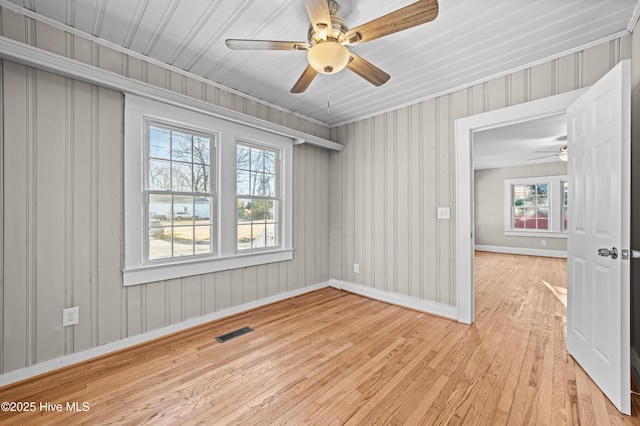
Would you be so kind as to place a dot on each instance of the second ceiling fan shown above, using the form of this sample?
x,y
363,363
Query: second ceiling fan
x,y
329,37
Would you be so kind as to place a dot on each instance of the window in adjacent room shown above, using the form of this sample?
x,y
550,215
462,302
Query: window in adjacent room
x,y
536,205
530,206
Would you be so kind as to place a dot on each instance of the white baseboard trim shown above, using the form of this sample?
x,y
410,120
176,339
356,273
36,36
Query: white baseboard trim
x,y
66,360
635,365
524,251
398,299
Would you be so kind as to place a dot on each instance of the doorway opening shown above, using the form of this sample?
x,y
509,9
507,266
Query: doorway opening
x,y
467,129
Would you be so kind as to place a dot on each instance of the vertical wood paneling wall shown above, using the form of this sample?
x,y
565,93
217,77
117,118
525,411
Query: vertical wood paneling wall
x,y
398,167
62,208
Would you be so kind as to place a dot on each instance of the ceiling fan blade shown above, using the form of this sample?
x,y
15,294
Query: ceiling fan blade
x,y
544,156
366,70
318,11
305,80
407,17
239,44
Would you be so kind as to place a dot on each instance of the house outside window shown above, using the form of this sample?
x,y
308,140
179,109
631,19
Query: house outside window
x,y
535,206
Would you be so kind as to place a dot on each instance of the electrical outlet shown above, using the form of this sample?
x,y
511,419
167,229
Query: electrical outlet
x,y
70,316
543,242
356,268
444,213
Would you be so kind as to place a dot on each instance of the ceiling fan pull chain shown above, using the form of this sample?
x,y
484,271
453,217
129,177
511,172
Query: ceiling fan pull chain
x,y
328,97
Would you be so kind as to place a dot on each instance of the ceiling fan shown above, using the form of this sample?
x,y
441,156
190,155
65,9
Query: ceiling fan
x,y
561,154
329,37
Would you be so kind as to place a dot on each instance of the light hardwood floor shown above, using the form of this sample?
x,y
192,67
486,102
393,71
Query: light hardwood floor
x,y
330,357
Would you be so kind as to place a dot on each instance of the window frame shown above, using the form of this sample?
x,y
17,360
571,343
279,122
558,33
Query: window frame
x,y
555,201
135,270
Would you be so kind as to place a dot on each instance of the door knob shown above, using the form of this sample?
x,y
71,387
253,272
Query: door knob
x,y
613,253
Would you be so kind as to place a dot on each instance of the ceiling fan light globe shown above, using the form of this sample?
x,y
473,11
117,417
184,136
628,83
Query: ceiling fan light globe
x,y
328,57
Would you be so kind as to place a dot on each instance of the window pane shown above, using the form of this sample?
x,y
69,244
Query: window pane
x,y
259,209
243,158
202,210
244,236
202,236
244,210
159,210
263,185
530,218
259,234
543,200
201,150
518,221
181,145
182,179
159,143
183,209
243,182
543,211
182,241
268,188
541,189
159,175
257,160
200,178
159,243
272,213
270,162
271,236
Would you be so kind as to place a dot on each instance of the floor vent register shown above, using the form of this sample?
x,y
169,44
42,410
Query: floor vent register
x,y
233,334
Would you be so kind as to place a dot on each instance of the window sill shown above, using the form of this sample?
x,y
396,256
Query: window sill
x,y
166,271
537,234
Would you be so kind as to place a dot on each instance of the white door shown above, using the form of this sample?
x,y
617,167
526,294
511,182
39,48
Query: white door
x,y
599,148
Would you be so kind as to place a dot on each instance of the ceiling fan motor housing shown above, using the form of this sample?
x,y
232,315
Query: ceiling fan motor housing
x,y
327,54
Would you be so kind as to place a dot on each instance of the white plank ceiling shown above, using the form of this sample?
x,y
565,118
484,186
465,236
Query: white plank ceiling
x,y
470,41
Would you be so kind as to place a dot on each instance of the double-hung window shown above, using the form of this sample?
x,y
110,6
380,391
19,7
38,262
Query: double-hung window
x,y
180,198
258,197
202,193
530,206
535,206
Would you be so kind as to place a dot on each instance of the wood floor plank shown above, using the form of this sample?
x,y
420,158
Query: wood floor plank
x,y
331,357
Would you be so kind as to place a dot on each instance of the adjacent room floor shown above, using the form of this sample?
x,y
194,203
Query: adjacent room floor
x,y
331,357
